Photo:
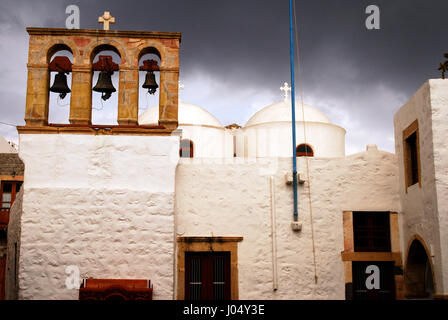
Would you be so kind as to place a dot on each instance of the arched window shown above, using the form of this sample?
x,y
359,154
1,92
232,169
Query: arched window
x,y
304,150
186,149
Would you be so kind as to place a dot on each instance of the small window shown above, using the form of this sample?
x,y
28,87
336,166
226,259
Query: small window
x,y
371,231
304,150
411,145
186,149
411,155
8,192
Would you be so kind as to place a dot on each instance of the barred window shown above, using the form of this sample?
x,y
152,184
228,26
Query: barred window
x,y
371,231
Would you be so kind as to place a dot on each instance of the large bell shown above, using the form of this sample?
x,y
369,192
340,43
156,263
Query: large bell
x,y
150,83
60,85
104,85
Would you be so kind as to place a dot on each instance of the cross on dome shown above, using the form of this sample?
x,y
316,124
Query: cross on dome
x,y
286,88
106,19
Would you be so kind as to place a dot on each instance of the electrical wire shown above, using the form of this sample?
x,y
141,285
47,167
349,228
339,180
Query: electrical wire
x,y
8,124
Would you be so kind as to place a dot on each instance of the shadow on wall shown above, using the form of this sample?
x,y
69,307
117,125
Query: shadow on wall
x,y
419,274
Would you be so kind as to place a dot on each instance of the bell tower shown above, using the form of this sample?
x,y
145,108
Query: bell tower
x,y
98,199
84,45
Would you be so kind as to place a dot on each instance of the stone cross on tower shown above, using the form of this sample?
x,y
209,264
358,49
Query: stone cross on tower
x,y
106,19
285,88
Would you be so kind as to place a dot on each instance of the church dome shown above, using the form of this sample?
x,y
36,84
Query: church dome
x,y
281,112
189,114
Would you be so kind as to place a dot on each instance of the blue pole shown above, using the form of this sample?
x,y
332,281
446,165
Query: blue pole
x,y
293,111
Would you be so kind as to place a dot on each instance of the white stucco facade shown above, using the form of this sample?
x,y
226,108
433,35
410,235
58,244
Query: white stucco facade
x,y
425,207
210,139
268,133
115,206
241,206
102,203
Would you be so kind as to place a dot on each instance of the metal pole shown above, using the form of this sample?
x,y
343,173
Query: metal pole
x,y
293,112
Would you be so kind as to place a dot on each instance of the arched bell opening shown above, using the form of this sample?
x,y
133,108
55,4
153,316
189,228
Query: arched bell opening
x,y
105,60
418,276
59,47
60,83
149,79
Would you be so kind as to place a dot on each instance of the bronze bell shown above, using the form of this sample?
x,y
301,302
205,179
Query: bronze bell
x,y
104,85
60,85
150,82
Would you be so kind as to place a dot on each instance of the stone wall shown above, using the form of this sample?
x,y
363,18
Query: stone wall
x,y
13,253
233,198
10,165
102,203
439,112
424,206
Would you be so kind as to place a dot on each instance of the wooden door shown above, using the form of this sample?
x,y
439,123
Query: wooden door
x,y
207,275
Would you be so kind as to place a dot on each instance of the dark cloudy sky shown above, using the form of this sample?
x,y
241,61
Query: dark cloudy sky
x,y
235,55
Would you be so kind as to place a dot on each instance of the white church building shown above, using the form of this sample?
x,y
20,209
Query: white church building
x,y
203,211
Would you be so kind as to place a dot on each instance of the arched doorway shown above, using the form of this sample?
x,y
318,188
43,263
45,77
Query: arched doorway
x,y
418,273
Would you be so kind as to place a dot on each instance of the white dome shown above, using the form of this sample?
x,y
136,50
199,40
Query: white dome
x,y
189,114
281,112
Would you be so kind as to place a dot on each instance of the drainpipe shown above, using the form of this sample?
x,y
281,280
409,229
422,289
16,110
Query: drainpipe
x,y
293,112
274,237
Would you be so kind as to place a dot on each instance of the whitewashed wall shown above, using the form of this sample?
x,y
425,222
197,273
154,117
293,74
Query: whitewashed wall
x,y
274,139
232,198
102,203
439,113
425,208
209,142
